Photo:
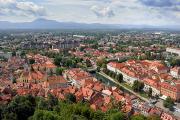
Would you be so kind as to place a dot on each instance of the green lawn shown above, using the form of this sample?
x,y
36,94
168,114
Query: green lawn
x,y
143,94
126,85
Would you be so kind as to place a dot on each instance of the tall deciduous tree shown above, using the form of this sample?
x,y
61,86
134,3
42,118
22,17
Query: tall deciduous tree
x,y
138,86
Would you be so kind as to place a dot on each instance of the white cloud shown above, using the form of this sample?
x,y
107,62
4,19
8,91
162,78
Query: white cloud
x,y
17,8
5,2
102,11
32,8
91,11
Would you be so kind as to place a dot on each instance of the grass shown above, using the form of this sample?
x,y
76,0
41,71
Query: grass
x,y
143,94
126,85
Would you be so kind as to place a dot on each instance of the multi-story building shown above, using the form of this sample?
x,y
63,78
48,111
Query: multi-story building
x,y
173,50
66,44
78,77
32,77
175,72
171,90
137,70
152,83
54,82
6,55
152,73
48,67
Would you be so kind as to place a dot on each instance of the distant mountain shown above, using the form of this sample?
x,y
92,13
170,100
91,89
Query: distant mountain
x,y
52,24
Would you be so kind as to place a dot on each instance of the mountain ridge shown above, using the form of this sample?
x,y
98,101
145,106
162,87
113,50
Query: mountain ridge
x,y
53,24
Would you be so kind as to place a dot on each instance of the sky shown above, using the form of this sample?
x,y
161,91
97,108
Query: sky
x,y
131,12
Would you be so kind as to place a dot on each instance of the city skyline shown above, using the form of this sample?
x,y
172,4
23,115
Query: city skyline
x,y
135,12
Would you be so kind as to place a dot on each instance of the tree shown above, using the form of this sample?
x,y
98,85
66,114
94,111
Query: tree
x,y
20,106
88,63
95,46
150,92
10,116
23,53
98,115
51,72
31,61
111,73
122,60
57,60
119,78
86,112
52,101
45,115
81,49
138,117
70,63
14,80
71,98
101,61
153,117
14,53
169,103
175,62
59,71
78,117
138,86
42,104
117,116
106,71
111,50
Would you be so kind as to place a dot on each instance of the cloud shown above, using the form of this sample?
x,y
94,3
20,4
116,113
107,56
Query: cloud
x,y
5,2
102,11
160,3
21,8
148,12
31,8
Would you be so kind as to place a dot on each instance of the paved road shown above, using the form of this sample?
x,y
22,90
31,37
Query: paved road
x,y
160,105
132,92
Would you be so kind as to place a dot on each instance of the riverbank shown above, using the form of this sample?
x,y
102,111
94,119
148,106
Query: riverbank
x,y
123,86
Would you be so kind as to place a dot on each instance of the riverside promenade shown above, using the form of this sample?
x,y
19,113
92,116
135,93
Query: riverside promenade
x,y
117,83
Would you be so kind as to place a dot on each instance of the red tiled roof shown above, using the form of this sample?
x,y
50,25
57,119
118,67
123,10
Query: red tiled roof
x,y
174,88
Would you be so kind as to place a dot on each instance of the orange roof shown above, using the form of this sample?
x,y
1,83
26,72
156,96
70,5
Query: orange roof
x,y
33,75
117,96
98,86
107,99
116,65
166,116
174,88
166,76
152,82
126,108
78,74
79,95
87,92
54,80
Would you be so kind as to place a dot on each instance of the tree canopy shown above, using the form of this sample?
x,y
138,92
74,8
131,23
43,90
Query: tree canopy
x,y
138,86
38,108
169,103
